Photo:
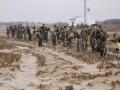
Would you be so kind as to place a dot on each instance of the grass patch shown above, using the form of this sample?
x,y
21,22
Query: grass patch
x,y
8,59
5,45
40,59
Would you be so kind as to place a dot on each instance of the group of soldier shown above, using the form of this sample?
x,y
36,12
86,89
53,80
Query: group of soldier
x,y
19,32
96,37
93,35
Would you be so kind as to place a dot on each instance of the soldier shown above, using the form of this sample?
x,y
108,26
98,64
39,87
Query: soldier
x,y
29,33
20,32
84,39
69,38
94,39
54,36
34,30
57,33
102,42
118,50
44,32
12,29
62,35
79,41
39,38
8,32
25,33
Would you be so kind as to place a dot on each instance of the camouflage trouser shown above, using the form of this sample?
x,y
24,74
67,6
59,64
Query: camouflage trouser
x,y
102,48
69,43
29,37
13,34
8,35
58,37
94,47
46,37
40,42
54,40
79,45
18,35
25,36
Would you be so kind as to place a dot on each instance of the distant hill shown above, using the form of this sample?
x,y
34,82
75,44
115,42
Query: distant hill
x,y
110,22
33,23
17,23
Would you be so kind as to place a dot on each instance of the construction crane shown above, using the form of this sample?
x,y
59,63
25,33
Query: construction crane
x,y
73,20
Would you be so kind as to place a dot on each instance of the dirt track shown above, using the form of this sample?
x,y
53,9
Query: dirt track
x,y
58,71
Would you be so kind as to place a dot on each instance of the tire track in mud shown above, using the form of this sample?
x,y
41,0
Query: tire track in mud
x,y
25,79
61,67
89,68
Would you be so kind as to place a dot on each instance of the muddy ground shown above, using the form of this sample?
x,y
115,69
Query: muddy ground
x,y
24,66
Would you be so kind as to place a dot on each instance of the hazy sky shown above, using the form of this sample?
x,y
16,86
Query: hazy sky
x,y
57,10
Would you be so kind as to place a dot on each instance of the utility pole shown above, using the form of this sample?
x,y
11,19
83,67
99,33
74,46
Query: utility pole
x,y
85,12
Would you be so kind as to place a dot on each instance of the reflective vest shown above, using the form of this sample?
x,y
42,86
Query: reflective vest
x,y
118,45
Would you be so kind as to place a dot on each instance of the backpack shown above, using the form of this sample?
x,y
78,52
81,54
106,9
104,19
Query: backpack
x,y
70,35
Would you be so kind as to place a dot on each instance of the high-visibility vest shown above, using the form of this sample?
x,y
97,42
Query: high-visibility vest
x,y
118,45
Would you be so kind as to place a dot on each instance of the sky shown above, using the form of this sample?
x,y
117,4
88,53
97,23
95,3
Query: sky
x,y
57,10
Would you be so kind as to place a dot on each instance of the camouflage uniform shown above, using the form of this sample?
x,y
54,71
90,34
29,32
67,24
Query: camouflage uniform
x,y
54,38
84,39
29,33
8,32
69,37
102,43
39,38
